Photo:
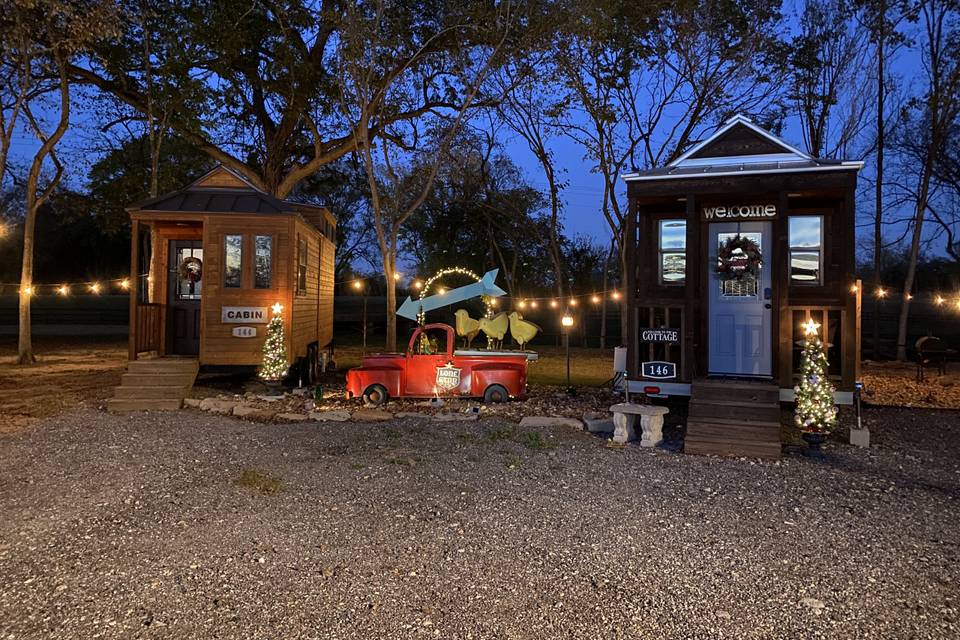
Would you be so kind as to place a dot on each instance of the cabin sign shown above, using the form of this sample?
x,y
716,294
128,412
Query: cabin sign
x,y
243,315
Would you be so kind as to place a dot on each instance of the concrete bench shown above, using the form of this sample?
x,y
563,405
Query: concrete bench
x,y
651,422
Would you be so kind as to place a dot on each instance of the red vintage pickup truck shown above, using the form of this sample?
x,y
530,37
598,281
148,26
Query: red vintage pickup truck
x,y
431,367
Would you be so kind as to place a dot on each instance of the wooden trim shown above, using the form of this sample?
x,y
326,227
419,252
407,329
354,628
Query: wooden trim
x,y
134,288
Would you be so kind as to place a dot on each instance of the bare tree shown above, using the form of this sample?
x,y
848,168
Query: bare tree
x,y
402,164
936,113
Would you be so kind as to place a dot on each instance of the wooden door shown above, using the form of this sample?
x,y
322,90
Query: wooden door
x,y
184,289
740,309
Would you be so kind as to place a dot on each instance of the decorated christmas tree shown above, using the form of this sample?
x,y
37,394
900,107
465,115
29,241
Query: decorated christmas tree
x,y
275,364
816,412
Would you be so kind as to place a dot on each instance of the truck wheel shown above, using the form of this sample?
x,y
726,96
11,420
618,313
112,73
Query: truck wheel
x,y
375,395
495,394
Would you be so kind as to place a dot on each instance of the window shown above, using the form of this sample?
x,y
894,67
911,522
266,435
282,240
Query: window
x,y
262,262
301,265
233,261
806,249
747,286
673,252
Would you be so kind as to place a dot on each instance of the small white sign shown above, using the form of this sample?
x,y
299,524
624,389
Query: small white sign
x,y
242,315
244,332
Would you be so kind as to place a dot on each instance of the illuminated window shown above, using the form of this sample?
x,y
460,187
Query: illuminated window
x,y
301,265
262,262
233,261
673,252
806,250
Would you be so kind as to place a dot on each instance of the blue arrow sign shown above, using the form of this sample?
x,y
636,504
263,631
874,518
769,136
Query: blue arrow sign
x,y
485,287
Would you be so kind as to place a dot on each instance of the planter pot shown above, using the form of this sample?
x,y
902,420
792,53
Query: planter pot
x,y
814,443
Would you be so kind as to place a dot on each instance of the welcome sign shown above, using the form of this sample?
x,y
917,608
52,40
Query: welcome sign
x,y
740,212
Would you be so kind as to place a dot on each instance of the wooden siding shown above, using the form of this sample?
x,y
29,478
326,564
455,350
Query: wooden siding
x,y
304,329
220,177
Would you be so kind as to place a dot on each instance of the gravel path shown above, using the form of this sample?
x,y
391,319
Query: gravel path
x,y
187,525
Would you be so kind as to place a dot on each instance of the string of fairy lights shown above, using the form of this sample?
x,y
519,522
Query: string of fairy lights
x,y
421,286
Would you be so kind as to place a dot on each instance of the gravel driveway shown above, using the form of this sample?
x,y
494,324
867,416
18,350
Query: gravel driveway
x,y
187,525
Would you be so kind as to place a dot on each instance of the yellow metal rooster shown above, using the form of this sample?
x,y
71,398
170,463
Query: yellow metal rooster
x,y
495,329
523,331
467,327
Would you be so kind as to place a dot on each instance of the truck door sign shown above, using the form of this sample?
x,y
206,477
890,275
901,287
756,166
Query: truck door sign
x,y
448,377
659,370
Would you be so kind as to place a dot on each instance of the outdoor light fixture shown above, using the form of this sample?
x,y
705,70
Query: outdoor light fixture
x,y
566,320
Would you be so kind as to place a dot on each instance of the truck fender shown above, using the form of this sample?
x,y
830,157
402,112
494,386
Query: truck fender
x,y
359,379
511,376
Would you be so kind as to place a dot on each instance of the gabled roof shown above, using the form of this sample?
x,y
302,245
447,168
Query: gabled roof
x,y
740,147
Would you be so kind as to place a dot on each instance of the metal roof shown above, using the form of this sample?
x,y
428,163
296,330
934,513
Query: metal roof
x,y
742,168
216,200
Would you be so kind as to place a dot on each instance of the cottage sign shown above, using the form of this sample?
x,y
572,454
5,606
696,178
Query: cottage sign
x,y
660,336
741,212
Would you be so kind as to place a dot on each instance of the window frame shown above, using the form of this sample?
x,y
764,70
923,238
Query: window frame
x,y
239,285
819,250
661,252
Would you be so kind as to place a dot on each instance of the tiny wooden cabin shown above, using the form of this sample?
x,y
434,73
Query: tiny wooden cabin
x,y
732,344
211,260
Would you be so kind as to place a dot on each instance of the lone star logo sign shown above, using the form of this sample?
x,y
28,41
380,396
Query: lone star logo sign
x,y
448,377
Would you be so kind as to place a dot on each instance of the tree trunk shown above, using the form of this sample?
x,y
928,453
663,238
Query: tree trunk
x,y
389,268
25,341
878,211
921,208
603,302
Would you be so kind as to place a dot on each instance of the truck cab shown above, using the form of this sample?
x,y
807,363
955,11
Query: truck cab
x,y
433,367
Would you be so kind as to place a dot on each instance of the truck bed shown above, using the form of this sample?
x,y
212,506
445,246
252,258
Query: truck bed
x,y
531,355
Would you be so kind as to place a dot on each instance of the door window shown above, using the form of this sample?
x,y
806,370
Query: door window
x,y
189,275
748,285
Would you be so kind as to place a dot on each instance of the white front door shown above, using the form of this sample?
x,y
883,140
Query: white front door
x,y
740,309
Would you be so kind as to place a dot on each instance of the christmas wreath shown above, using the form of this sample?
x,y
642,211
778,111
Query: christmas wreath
x,y
191,269
737,257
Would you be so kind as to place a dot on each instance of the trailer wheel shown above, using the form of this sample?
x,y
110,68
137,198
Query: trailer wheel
x,y
375,395
495,394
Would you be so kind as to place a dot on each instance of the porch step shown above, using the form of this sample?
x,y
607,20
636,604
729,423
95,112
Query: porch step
x,y
155,384
733,418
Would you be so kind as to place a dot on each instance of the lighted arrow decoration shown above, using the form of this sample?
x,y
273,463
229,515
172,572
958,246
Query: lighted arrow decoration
x,y
486,286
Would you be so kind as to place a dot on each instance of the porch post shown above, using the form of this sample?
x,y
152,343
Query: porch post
x,y
692,290
630,286
134,287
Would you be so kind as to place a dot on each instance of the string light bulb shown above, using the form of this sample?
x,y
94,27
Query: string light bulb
x,y
573,302
595,299
854,288
940,300
27,291
533,304
615,295
95,288
396,276
881,292
522,304
553,304
909,296
417,285
63,289
125,284
441,291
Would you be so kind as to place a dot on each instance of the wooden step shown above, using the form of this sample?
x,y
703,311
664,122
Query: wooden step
x,y
118,405
763,432
745,390
153,392
157,379
164,365
734,410
696,446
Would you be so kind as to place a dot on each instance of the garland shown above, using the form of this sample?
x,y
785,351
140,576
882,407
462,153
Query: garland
x,y
737,257
191,269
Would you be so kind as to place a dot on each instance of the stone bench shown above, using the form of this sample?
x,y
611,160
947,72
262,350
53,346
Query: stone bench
x,y
651,422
